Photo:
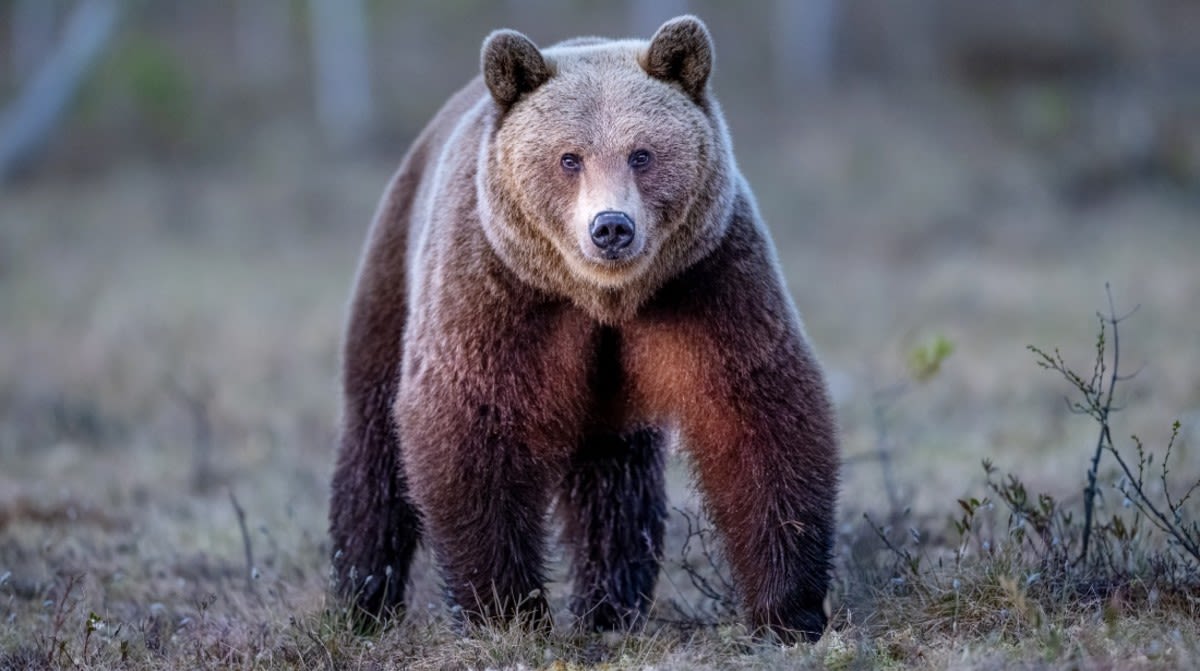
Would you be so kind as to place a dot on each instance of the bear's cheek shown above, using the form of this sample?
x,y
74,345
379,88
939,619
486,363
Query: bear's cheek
x,y
554,198
667,193
545,195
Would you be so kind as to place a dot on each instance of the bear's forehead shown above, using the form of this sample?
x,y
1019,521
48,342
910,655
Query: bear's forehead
x,y
606,69
600,98
604,78
625,89
607,107
589,54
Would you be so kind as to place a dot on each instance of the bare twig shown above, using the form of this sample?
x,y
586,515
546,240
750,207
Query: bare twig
x,y
320,644
1173,525
241,518
1098,402
61,609
881,399
1098,394
197,399
1102,403
711,582
911,562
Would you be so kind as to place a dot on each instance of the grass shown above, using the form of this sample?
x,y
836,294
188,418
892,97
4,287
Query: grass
x,y
168,347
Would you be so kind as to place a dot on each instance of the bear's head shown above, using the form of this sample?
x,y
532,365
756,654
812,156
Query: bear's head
x,y
608,168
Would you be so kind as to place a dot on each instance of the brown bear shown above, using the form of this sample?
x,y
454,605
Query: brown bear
x,y
567,266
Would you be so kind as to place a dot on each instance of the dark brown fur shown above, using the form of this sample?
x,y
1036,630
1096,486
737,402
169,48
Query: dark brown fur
x,y
490,369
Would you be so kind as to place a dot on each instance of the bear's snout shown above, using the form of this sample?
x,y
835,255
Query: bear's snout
x,y
612,231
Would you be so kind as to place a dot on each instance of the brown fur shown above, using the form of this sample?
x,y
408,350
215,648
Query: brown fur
x,y
493,365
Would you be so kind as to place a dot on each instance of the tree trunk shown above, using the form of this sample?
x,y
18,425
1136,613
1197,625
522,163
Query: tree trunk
x,y
28,122
645,16
803,40
32,33
342,70
261,30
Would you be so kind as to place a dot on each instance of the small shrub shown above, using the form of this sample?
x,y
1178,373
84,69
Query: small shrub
x,y
1019,562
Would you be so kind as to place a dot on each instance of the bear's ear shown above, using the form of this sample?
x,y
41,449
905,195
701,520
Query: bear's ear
x,y
512,66
681,51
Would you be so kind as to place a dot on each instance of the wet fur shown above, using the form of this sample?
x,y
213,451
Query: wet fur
x,y
485,378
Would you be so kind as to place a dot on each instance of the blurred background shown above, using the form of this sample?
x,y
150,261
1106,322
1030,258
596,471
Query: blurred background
x,y
185,186
1105,90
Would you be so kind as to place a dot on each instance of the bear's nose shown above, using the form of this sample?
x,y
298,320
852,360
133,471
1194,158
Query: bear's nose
x,y
612,230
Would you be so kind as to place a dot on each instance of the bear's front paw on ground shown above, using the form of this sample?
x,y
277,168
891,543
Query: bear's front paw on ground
x,y
567,264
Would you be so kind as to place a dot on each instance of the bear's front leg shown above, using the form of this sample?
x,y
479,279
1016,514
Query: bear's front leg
x,y
722,351
484,496
487,416
765,451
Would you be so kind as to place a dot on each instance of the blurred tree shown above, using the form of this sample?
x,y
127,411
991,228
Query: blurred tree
x,y
261,30
645,16
32,31
802,41
341,69
27,123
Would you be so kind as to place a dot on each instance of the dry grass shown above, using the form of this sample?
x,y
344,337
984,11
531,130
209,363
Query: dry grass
x,y
170,338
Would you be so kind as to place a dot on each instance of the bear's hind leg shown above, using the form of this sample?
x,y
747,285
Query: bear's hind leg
x,y
614,507
374,527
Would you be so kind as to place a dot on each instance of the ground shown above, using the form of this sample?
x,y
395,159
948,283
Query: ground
x,y
169,362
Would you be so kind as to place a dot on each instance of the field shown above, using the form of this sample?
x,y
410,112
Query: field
x,y
168,404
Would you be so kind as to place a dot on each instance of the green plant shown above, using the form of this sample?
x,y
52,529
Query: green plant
x,y
1097,393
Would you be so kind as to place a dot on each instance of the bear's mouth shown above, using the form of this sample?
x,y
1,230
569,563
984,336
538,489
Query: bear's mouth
x,y
614,259
611,269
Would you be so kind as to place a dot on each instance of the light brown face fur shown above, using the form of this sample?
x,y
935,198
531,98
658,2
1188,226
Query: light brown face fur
x,y
601,108
649,143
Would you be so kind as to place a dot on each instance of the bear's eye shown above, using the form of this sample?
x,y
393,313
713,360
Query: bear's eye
x,y
571,163
639,159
